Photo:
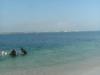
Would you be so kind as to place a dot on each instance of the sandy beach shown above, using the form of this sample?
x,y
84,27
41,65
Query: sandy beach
x,y
85,68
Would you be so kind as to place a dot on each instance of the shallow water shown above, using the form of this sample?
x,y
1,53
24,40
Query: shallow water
x,y
72,53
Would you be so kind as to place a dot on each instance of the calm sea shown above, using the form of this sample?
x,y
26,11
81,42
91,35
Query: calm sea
x,y
51,49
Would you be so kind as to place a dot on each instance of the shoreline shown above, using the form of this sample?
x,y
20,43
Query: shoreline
x,y
81,68
13,33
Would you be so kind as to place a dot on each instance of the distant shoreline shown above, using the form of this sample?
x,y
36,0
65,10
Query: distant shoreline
x,y
8,33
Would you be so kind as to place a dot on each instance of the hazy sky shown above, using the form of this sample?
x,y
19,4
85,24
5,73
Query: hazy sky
x,y
49,15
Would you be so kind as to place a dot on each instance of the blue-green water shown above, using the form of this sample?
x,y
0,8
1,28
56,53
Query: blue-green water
x,y
49,49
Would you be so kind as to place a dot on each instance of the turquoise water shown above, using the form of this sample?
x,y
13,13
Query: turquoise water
x,y
49,50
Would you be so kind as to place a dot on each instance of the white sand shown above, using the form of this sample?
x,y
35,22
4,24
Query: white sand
x,y
61,70
88,67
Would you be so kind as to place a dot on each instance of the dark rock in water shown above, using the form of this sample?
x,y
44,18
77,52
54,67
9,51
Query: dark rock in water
x,y
13,53
23,51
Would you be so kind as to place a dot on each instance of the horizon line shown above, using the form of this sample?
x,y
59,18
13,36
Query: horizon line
x,y
48,32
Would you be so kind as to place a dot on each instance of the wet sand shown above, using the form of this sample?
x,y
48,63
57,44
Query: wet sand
x,y
78,69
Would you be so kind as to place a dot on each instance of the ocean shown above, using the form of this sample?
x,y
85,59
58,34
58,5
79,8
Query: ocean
x,y
52,53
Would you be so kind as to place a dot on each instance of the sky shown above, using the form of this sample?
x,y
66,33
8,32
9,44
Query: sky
x,y
49,15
